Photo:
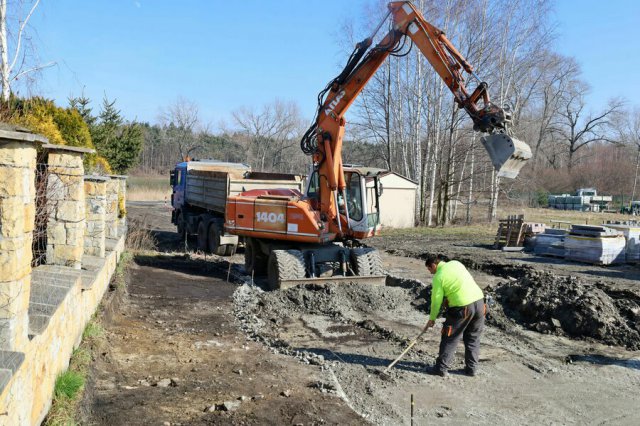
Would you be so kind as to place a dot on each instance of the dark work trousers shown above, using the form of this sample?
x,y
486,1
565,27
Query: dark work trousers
x,y
464,322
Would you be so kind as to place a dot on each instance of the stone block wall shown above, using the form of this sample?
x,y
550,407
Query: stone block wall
x,y
43,311
65,192
17,215
95,189
111,219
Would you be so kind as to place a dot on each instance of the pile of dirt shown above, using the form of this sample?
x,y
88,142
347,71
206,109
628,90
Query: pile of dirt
x,y
565,305
261,313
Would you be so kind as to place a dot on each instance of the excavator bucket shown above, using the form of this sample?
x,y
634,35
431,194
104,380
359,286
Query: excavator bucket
x,y
507,154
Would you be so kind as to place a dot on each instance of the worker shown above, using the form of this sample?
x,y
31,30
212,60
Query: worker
x,y
464,316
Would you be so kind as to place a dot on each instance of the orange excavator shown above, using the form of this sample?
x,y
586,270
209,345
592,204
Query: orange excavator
x,y
314,237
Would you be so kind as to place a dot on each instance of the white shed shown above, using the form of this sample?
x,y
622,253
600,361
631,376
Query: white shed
x,y
398,199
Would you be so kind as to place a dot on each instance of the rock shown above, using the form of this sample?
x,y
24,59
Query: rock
x,y
238,371
556,323
286,393
243,398
174,381
143,382
230,405
164,383
210,409
257,397
166,424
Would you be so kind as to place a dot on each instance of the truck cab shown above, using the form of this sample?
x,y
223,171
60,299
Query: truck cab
x,y
178,183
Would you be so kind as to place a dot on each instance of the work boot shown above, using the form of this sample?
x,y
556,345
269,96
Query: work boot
x,y
469,372
435,371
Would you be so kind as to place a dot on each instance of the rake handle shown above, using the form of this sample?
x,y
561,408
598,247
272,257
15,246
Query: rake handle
x,y
413,342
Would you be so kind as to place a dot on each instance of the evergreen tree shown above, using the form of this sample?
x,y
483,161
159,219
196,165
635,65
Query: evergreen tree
x,y
119,142
81,104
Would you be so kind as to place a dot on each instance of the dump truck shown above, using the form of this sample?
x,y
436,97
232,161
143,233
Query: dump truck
x,y
200,192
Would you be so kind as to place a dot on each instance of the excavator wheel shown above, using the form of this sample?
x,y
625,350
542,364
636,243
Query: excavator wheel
x,y
285,265
254,261
366,261
202,235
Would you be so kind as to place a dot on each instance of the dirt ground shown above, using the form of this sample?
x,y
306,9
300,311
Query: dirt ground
x,y
312,355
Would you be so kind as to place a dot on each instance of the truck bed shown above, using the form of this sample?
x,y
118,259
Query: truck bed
x,y
210,189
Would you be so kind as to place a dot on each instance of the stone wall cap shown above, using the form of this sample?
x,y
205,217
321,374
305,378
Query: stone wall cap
x,y
79,149
97,178
119,176
17,133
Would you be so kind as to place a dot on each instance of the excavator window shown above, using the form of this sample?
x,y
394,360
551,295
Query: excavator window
x,y
354,195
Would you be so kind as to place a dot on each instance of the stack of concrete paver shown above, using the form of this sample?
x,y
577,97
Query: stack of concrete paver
x,y
631,232
550,242
595,244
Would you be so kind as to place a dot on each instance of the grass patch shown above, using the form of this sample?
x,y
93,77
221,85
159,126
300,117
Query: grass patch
x,y
68,384
148,188
93,330
119,278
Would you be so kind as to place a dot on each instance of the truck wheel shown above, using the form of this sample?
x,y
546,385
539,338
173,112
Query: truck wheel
x,y
254,260
202,236
180,226
366,261
214,240
285,265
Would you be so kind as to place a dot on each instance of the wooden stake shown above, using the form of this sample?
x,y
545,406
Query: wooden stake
x,y
412,409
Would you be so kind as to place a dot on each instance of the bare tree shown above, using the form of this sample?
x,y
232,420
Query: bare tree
x,y
629,131
182,124
577,128
273,135
16,65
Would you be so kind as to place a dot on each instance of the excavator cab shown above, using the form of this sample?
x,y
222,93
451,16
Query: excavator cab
x,y
508,155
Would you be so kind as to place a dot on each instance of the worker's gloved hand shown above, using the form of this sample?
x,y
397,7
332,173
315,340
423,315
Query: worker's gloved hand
x,y
430,324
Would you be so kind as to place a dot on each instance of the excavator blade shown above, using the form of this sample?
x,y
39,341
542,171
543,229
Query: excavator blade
x,y
359,279
507,154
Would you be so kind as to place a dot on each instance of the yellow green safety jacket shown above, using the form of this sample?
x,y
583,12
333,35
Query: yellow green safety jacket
x,y
453,281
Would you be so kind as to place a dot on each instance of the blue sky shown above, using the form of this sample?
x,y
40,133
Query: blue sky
x,y
224,55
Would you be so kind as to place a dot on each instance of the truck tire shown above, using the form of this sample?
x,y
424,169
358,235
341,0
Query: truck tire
x,y
180,227
366,261
285,265
254,261
214,240
202,235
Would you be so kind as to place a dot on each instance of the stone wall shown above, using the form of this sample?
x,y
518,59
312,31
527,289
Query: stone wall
x,y
17,213
65,195
95,189
111,219
43,310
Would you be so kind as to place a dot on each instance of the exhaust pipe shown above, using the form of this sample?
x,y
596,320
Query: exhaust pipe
x,y
507,154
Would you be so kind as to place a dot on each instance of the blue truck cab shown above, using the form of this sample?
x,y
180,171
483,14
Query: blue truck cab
x,y
178,182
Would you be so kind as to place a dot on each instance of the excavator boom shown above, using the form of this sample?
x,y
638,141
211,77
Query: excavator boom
x,y
323,140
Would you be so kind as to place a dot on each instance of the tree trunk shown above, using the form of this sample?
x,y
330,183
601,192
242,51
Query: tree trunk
x,y
4,52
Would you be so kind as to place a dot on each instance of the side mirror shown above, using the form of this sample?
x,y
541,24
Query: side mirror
x,y
172,178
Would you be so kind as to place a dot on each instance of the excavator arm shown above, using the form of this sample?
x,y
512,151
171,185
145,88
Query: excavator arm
x,y
323,140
